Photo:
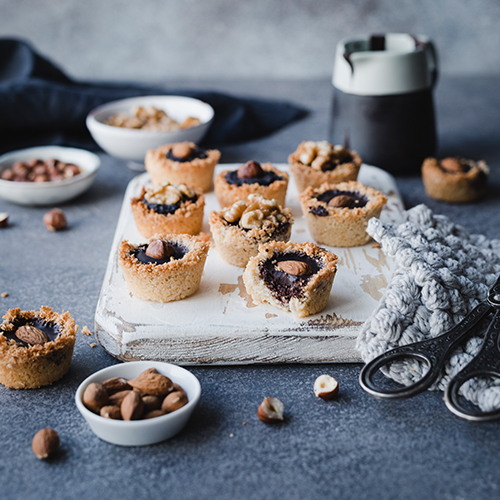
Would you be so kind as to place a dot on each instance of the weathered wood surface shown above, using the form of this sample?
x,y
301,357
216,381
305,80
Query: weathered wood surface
x,y
220,324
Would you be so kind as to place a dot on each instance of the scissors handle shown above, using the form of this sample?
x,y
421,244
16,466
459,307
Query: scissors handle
x,y
433,352
486,363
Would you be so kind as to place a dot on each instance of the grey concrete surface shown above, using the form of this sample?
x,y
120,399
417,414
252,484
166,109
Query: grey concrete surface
x,y
354,447
163,39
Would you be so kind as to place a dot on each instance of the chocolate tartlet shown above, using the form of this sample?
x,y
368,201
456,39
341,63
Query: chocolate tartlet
x,y
251,178
36,347
182,163
294,277
337,214
168,209
314,163
455,180
238,230
164,269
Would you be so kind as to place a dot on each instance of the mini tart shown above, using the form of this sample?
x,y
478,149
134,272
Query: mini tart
x,y
455,180
29,366
309,168
153,218
164,280
341,226
228,193
240,229
302,295
187,168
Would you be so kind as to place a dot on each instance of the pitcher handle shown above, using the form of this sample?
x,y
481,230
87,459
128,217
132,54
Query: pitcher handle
x,y
432,61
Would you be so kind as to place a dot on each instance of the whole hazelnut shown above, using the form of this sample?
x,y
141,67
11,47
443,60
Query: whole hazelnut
x,y
250,170
55,220
451,165
4,219
45,443
159,249
7,175
271,410
181,150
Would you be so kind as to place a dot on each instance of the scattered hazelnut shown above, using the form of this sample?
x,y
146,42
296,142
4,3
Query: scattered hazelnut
x,y
174,401
341,201
95,397
45,443
31,335
326,387
4,219
250,170
181,150
159,249
55,220
451,165
111,411
294,267
271,410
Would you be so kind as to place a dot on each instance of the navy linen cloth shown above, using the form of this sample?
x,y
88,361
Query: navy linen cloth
x,y
40,105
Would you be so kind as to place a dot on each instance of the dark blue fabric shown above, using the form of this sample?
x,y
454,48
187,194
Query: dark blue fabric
x,y
39,104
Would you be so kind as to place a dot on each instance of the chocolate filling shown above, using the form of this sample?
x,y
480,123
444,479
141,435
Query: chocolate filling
x,y
264,180
359,201
341,158
140,254
285,286
168,209
51,330
195,153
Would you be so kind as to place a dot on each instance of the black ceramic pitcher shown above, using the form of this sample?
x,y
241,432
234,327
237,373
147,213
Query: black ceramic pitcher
x,y
382,102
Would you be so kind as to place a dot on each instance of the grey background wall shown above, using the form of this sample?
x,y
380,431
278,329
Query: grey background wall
x,y
155,40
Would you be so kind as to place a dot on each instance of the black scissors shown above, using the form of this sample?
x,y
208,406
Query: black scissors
x,y
434,353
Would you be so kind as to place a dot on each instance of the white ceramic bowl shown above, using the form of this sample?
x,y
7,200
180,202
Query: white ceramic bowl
x,y
53,192
141,432
132,144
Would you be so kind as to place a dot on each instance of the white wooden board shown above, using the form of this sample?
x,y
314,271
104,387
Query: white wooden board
x,y
220,324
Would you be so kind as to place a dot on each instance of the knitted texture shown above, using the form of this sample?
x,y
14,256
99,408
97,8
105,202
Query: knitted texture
x,y
442,274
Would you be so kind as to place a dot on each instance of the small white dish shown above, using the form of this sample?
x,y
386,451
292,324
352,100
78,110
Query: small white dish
x,y
141,432
52,192
132,144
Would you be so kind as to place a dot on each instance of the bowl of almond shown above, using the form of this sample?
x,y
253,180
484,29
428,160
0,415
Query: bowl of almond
x,y
138,403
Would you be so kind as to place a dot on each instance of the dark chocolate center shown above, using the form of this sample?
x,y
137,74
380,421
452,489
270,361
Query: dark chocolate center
x,y
51,330
267,178
358,201
282,285
159,208
140,254
196,152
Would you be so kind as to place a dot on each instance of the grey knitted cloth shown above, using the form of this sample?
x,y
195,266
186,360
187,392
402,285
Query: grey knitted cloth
x,y
442,273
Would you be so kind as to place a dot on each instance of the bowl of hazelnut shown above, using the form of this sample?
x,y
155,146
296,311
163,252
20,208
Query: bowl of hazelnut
x,y
46,175
128,128
138,403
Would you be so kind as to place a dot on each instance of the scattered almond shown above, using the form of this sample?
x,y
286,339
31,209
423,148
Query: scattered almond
x,y
45,443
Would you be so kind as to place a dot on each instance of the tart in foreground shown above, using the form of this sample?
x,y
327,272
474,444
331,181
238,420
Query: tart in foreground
x,y
251,178
168,209
164,269
337,214
317,162
182,163
455,180
293,277
36,347
238,230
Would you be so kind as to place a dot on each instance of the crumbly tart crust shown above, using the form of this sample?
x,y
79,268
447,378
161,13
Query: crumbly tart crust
x,y
33,366
197,173
237,245
187,219
455,187
306,176
174,280
314,294
227,194
343,226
